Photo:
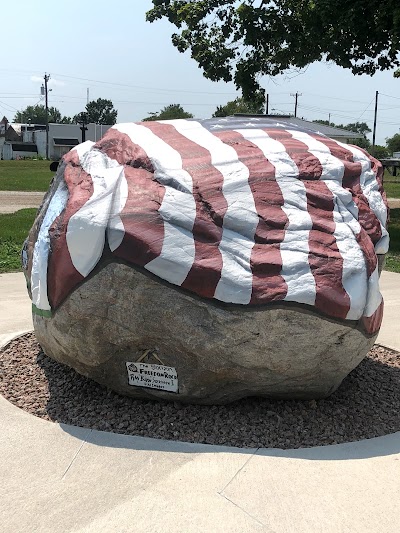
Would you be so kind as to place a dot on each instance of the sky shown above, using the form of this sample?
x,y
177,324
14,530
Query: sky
x,y
110,49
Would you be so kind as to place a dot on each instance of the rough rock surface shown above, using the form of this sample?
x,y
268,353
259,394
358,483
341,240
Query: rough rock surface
x,y
238,251
221,353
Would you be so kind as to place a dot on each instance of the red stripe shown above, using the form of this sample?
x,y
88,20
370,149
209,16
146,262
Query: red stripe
x,y
62,276
370,225
119,146
268,284
211,206
373,323
351,181
144,226
325,260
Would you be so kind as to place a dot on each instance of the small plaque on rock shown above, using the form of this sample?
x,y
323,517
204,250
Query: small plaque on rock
x,y
153,376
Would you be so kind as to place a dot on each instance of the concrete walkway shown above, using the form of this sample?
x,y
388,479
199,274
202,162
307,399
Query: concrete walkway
x,y
12,201
58,478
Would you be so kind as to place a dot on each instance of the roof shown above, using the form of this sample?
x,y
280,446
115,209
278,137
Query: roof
x,y
65,142
16,127
329,131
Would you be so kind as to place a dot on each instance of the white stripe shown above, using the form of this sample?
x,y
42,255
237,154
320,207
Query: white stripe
x,y
42,247
83,149
370,188
240,220
374,297
85,233
354,275
294,248
115,229
178,208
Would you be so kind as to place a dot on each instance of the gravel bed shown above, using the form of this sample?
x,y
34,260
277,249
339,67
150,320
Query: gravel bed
x,y
366,405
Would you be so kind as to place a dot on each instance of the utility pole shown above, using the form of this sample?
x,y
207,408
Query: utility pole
x,y
329,121
296,96
375,117
267,105
46,79
87,95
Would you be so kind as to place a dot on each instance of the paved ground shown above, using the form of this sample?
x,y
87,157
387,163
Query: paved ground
x,y
63,479
11,201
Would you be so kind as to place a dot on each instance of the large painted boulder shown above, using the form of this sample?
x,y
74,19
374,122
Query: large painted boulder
x,y
209,260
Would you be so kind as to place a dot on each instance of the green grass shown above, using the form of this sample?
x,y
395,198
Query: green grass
x,y
392,189
393,257
14,229
26,175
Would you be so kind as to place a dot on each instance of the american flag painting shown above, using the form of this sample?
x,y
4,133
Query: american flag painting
x,y
241,210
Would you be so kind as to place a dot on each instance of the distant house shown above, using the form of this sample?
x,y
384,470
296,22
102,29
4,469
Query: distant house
x,y
18,150
3,128
62,137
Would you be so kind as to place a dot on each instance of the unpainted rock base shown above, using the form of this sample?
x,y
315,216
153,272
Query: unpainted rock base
x,y
221,353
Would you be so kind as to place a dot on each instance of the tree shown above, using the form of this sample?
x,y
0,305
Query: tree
x,y
241,41
393,144
100,111
240,105
37,115
169,112
357,127
380,152
67,120
325,123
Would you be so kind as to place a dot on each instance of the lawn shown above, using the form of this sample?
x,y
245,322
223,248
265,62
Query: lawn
x,y
392,189
393,257
14,229
24,175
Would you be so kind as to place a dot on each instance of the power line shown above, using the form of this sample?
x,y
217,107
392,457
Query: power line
x,y
365,109
389,96
318,110
141,87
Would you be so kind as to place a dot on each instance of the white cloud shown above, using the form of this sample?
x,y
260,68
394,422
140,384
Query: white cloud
x,y
52,81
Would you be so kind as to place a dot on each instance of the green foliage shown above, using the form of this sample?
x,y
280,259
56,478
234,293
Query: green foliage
x,y
380,152
362,143
100,111
240,105
169,112
14,229
357,127
67,120
393,144
25,175
324,122
247,39
37,115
